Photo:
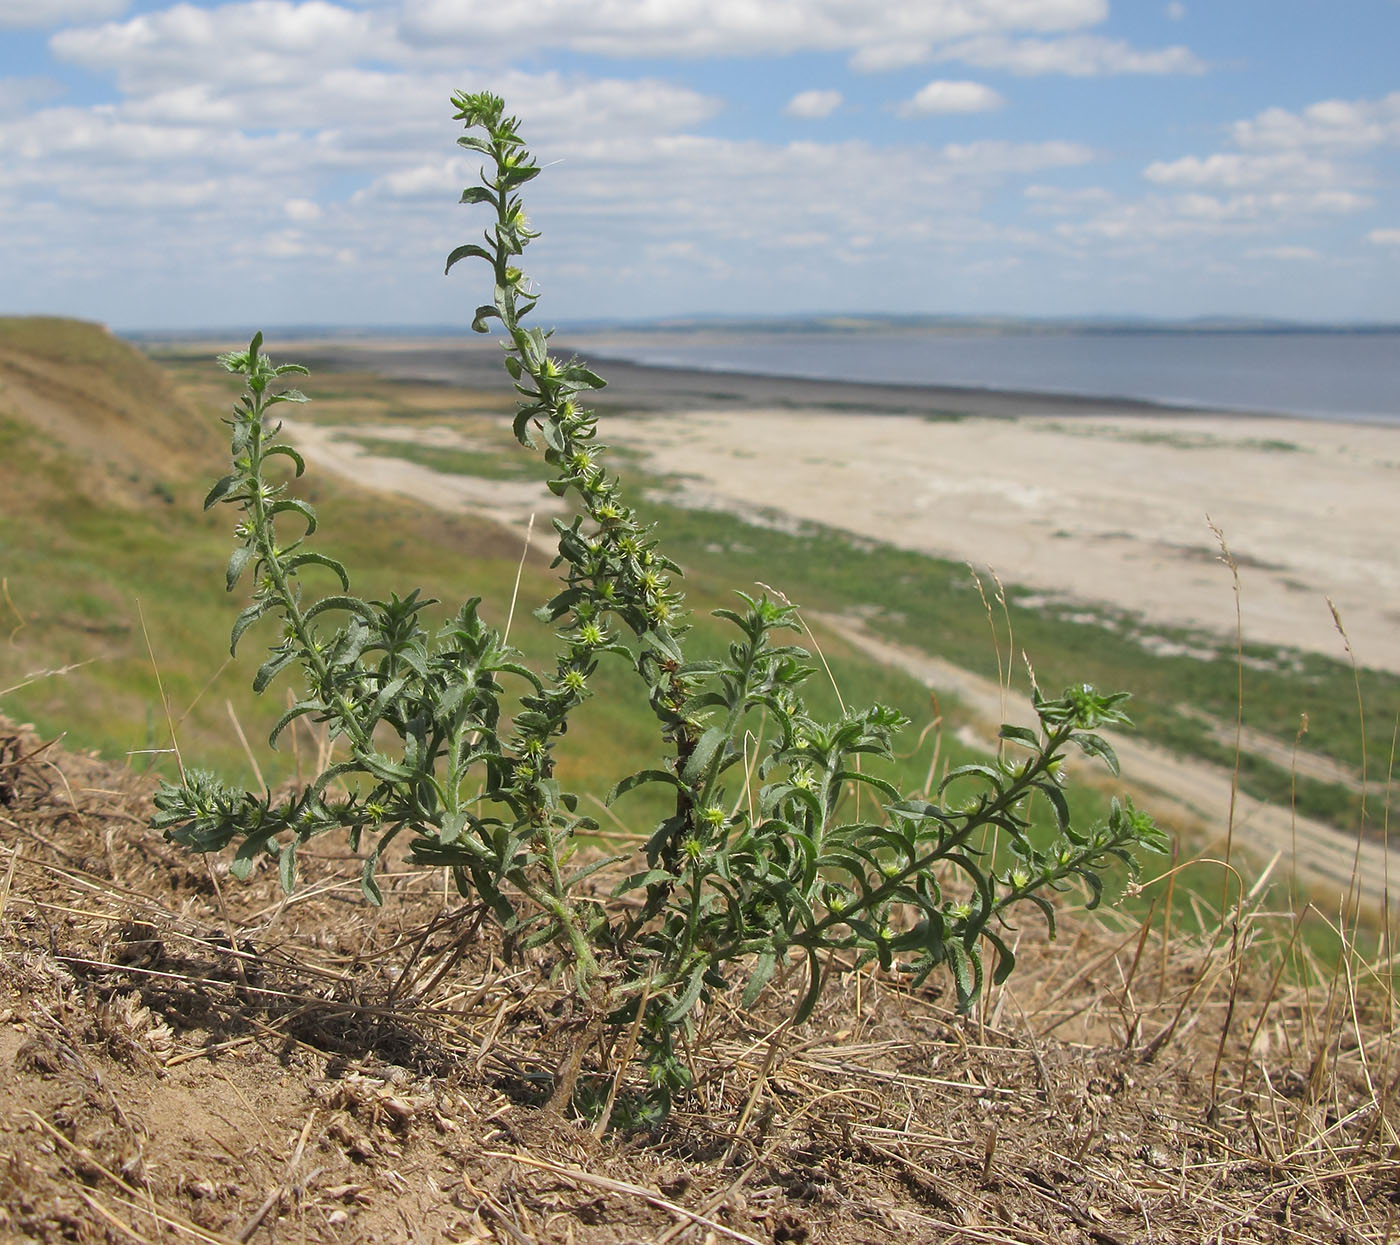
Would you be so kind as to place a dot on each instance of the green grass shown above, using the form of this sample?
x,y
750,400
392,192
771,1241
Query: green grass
x,y
1176,675
485,464
933,605
90,582
1177,438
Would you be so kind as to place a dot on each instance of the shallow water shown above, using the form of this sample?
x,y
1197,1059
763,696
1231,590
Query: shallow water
x,y
1314,375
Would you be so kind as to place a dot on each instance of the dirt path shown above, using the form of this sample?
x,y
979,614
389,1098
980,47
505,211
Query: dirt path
x,y
1187,793
507,502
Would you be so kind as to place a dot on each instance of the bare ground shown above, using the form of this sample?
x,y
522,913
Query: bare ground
x,y
187,1058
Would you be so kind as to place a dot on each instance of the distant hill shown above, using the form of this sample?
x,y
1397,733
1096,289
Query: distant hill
x,y
76,400
806,323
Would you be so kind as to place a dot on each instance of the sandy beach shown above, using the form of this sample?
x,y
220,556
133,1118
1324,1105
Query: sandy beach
x,y
1105,502
1095,503
1104,508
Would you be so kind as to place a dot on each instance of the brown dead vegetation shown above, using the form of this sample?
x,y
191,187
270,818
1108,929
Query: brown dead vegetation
x,y
188,1058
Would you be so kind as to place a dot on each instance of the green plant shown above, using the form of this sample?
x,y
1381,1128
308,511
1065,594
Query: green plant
x,y
730,886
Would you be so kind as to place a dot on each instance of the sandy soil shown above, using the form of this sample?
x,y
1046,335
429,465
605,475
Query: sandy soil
x,y
188,1058
1100,509
507,502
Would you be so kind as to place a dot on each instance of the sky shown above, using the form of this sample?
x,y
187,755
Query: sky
x,y
275,162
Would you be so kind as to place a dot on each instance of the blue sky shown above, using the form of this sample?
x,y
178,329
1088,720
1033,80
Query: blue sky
x,y
274,162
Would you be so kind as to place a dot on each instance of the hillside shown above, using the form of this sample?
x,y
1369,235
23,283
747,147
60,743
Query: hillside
x,y
71,392
104,460
190,1058
193,1058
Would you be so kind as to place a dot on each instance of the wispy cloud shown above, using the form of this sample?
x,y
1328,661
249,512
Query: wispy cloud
x,y
1079,56
191,159
1338,125
47,14
945,96
622,28
813,105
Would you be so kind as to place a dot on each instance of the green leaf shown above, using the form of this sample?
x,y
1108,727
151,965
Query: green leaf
x,y
762,973
641,778
966,973
291,395
1095,887
271,668
691,995
242,864
479,194
704,753
577,374
469,251
219,490
246,618
317,559
814,988
237,561
1051,791
1006,958
648,877
353,604
483,313
369,888
964,771
296,506
665,645
287,868
296,711
588,870
1047,908
1097,745
1020,734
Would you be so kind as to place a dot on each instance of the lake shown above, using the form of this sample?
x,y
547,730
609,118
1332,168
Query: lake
x,y
1337,375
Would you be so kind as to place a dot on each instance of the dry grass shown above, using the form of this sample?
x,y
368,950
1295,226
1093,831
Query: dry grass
x,y
194,1059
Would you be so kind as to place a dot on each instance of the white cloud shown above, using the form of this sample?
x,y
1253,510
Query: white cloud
x,y
813,105
946,96
1003,157
1233,170
17,94
883,57
1332,124
46,14
1384,237
1153,219
302,209
261,43
1288,254
1289,170
736,27
1079,56
1176,10
1059,201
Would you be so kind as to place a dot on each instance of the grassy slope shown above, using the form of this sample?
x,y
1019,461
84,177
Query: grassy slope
x,y
83,566
934,604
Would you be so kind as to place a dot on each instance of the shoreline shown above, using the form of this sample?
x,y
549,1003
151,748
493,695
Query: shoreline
x,y
1087,501
475,363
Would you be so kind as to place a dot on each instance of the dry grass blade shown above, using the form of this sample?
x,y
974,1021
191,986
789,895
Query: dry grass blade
x,y
886,1119
627,1190
160,1217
